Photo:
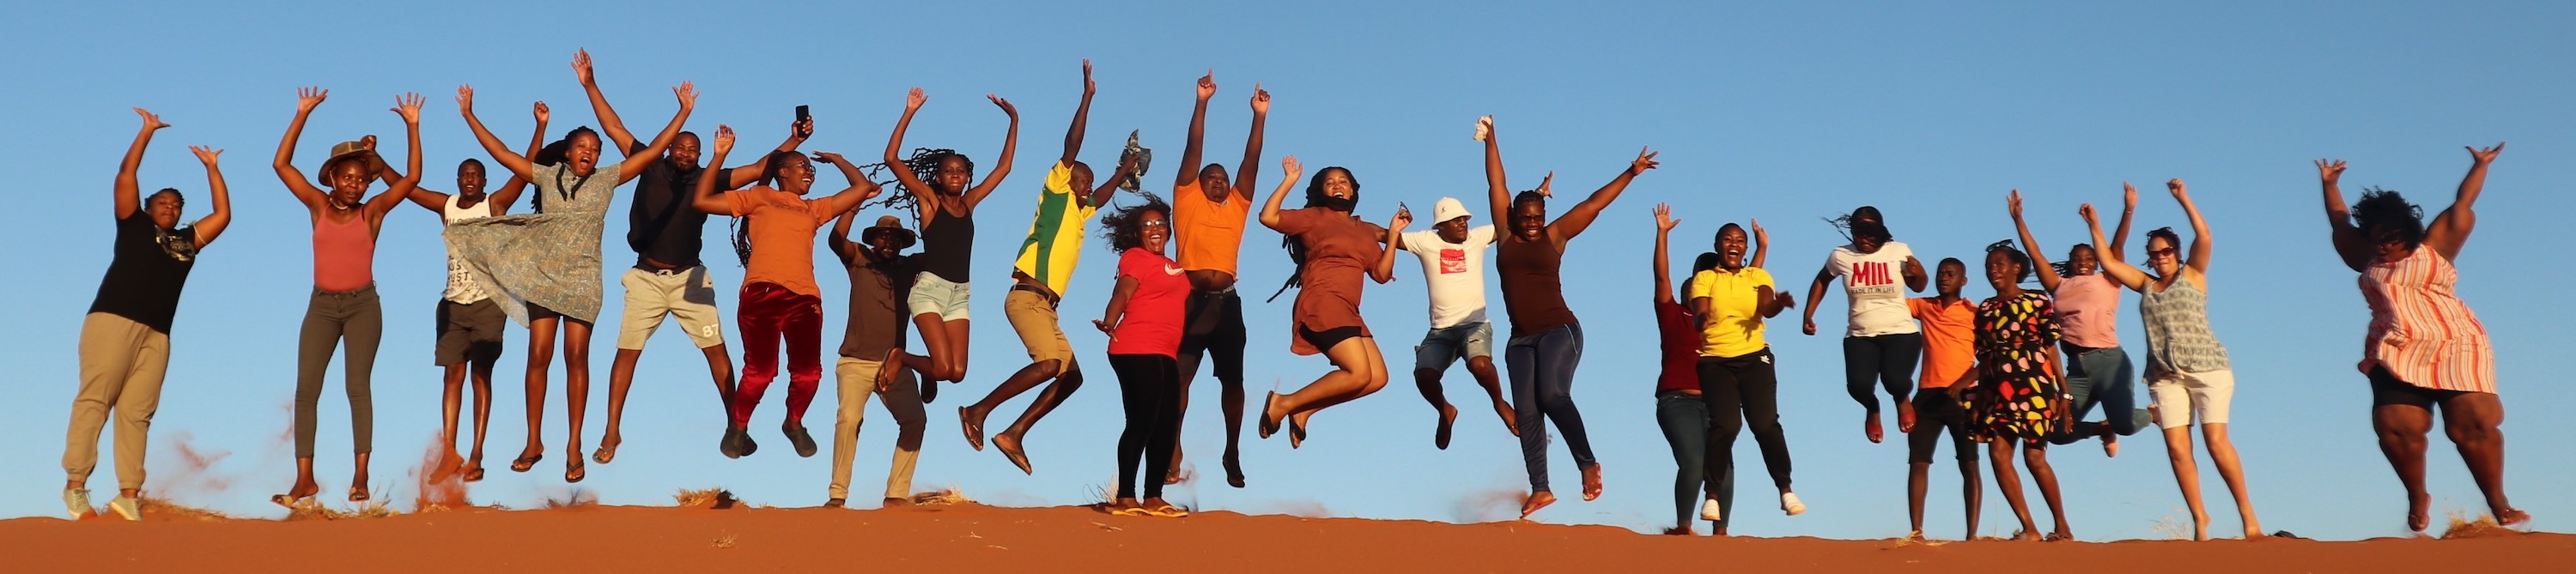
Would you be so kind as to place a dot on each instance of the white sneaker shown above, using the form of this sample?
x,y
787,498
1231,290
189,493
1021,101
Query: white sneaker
x,y
76,501
127,507
1709,511
1789,503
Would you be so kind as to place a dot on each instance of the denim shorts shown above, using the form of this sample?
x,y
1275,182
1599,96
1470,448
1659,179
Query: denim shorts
x,y
935,296
1444,346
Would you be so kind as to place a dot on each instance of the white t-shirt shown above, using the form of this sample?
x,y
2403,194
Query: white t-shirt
x,y
461,288
1455,273
1876,284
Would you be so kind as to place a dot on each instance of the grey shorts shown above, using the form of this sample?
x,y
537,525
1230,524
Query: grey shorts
x,y
469,331
1444,346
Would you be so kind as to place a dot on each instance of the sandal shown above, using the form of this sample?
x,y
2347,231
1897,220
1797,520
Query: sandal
x,y
474,473
1166,511
292,502
1269,425
358,494
607,452
974,428
1296,433
522,464
574,471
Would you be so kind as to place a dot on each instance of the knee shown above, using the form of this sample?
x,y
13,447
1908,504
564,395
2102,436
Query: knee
x,y
2468,432
1426,377
1071,380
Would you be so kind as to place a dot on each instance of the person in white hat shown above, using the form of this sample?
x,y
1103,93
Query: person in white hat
x,y
1453,267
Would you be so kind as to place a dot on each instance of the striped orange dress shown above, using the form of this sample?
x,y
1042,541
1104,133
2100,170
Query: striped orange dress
x,y
2420,330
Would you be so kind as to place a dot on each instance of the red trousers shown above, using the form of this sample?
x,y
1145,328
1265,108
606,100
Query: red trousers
x,y
769,314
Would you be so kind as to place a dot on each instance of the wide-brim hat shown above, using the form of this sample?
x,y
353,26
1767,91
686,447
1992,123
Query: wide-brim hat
x,y
1448,208
348,150
888,224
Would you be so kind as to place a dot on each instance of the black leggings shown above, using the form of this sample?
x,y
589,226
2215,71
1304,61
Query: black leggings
x,y
1742,391
1151,387
1883,360
1214,329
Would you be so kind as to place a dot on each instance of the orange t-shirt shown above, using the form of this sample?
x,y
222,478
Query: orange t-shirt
x,y
1949,339
782,237
1210,232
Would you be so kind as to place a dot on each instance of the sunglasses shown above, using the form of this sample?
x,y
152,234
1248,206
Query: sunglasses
x,y
2166,252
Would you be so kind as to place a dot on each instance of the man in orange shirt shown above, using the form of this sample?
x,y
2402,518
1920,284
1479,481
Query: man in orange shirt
x,y
1949,349
1208,216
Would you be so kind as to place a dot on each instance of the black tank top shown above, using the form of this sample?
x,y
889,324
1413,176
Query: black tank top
x,y
946,243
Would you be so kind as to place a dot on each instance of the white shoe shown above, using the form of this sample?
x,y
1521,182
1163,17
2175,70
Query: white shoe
x,y
127,507
76,501
1709,511
1789,503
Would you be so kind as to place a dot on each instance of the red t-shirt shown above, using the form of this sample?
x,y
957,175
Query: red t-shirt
x,y
1152,325
1681,347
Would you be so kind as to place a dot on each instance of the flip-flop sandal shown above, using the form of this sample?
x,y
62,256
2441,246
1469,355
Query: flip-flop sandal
x,y
2055,537
574,471
1018,457
522,464
1269,426
974,430
474,474
358,494
291,502
1132,511
1166,511
1296,434
607,452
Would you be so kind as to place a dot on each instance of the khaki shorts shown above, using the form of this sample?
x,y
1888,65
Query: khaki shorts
x,y
688,294
1035,319
2181,396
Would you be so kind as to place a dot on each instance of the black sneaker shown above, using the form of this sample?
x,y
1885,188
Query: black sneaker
x,y
731,446
797,436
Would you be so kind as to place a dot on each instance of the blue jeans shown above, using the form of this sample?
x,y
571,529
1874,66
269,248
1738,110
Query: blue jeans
x,y
2104,377
1542,371
1684,418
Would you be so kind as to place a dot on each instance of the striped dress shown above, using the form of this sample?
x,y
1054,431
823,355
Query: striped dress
x,y
2420,330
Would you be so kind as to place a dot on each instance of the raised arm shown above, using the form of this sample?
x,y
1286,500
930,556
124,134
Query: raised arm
x,y
1251,167
517,164
1498,194
509,191
1383,270
2450,230
2348,244
839,239
2199,261
2120,271
927,200
1010,147
635,163
129,192
399,186
1100,193
608,121
1761,243
849,198
705,197
1663,261
1289,167
305,100
2119,246
1188,174
2048,277
1575,220
1081,118
213,224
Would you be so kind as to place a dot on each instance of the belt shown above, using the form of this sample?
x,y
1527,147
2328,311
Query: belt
x,y
1051,298
675,272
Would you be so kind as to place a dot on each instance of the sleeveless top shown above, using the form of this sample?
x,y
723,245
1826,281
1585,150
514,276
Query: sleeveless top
x,y
2420,330
1532,294
548,259
2177,325
461,288
947,242
344,254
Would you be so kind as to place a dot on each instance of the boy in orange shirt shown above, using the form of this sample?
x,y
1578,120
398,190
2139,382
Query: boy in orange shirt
x,y
1949,349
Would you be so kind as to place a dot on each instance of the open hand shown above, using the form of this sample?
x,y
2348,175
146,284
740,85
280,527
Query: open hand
x,y
581,67
1291,168
1260,99
913,100
150,122
1645,160
2012,203
465,99
724,139
2485,155
408,105
688,94
1786,301
1664,218
1207,85
205,154
2128,197
2331,170
1088,87
1760,237
830,158
1005,104
308,98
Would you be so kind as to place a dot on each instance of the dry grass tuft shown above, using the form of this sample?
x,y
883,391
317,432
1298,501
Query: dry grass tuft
x,y
944,496
2480,526
710,497
725,541
164,508
316,511
2175,525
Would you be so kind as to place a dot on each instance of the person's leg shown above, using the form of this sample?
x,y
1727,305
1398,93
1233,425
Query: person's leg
x,y
1035,321
136,402
1053,356
1722,392
2173,398
448,352
1480,363
1226,350
2118,395
803,329
856,381
1521,358
1860,378
1758,387
1357,372
479,372
1971,490
542,332
1897,357
109,346
1163,374
576,346
695,309
2009,481
761,320
2471,420
1919,445
645,305
1431,358
1136,394
903,400
2034,455
1558,353
451,403
365,332
1684,420
2211,395
2083,376
1198,322
2401,416
316,341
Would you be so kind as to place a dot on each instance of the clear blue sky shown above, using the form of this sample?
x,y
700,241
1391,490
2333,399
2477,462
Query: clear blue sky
x,y
1781,114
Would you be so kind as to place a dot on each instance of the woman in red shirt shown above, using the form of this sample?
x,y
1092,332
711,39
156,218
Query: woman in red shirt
x,y
1144,326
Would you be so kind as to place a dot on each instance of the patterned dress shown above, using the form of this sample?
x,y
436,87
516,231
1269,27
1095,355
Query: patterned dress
x,y
2017,384
548,259
2420,330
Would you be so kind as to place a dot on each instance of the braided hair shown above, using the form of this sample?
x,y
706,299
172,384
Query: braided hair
x,y
2066,268
1123,226
1864,222
2018,258
1315,197
2386,217
925,166
769,167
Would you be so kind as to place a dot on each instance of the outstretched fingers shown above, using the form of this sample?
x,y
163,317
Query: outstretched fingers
x,y
205,153
150,121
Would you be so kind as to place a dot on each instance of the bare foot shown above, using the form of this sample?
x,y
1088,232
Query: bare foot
x,y
2026,536
1440,435
1511,420
2110,444
1869,428
2512,518
2061,535
1123,506
973,423
1683,530
1009,444
2418,507
1233,467
302,492
1537,500
1592,482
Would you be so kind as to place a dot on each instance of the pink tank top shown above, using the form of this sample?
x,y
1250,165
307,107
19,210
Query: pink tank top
x,y
344,254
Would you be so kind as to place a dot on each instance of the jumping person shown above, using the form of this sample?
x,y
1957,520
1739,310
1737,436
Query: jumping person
x,y
1739,384
1546,341
1681,408
1453,269
344,310
2019,396
469,323
2088,311
1332,249
1143,321
2425,347
125,338
1882,343
2187,370
1039,276
668,279
1208,214
936,182
880,275
1949,350
546,264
